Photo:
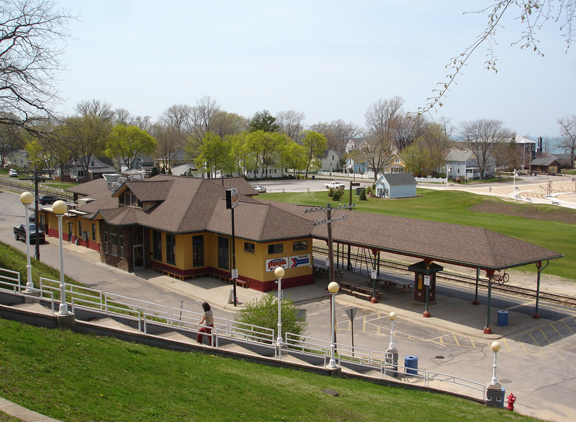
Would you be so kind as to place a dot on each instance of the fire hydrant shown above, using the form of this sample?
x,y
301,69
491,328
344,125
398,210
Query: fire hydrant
x,y
511,399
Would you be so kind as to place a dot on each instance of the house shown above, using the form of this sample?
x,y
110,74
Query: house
x,y
180,226
352,166
171,160
548,165
396,185
462,163
16,159
97,167
394,164
140,162
353,144
331,161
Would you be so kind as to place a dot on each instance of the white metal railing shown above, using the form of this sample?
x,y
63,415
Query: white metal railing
x,y
13,276
144,312
19,290
161,311
307,345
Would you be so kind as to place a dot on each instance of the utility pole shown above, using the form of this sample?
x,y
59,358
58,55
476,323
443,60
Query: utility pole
x,y
36,177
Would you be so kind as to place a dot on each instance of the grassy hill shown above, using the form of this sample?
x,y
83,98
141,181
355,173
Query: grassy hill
x,y
544,225
76,377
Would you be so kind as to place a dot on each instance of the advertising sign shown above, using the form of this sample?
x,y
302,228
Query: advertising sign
x,y
299,261
426,280
276,262
231,198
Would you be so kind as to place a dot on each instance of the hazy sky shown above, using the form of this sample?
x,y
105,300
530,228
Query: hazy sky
x,y
327,59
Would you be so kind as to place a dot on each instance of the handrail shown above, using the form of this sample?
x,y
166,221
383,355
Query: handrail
x,y
164,310
15,279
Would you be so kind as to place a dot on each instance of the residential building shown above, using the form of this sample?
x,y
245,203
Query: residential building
x,y
462,164
396,185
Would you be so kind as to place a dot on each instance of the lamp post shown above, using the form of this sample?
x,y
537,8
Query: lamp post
x,y
333,289
391,350
495,346
26,198
279,272
60,208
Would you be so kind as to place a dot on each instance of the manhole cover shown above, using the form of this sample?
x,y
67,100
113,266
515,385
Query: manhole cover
x,y
439,357
505,381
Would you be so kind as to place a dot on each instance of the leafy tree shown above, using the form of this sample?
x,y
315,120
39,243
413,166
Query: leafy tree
x,y
417,158
293,156
263,148
315,144
264,313
126,142
264,121
290,123
215,155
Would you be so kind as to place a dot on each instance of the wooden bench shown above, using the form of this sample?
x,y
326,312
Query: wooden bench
x,y
338,273
242,283
361,295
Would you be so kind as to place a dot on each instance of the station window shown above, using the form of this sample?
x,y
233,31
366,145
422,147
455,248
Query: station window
x,y
300,245
249,247
157,245
198,251
171,248
275,248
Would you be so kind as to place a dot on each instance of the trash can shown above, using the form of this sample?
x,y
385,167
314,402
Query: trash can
x,y
411,362
358,191
503,318
313,177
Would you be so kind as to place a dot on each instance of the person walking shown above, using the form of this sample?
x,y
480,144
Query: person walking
x,y
208,321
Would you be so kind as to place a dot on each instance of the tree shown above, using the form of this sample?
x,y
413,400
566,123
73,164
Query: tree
x,y
264,313
32,37
263,148
202,118
264,121
508,155
126,142
568,135
483,136
168,140
338,133
215,155
290,123
88,131
405,129
228,124
438,139
532,14
315,144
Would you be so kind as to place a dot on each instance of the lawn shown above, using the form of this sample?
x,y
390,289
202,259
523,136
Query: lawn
x,y
529,222
76,377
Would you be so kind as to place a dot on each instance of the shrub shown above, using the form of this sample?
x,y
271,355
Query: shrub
x,y
264,313
337,195
363,195
330,192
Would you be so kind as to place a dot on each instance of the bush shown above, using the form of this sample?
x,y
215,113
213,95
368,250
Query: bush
x,y
264,313
337,195
363,195
330,192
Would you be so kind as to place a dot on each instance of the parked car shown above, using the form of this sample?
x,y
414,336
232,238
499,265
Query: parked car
x,y
334,185
48,199
12,173
20,233
259,188
32,217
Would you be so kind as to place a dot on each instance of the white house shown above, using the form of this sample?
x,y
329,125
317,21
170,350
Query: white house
x,y
463,164
331,161
16,159
396,185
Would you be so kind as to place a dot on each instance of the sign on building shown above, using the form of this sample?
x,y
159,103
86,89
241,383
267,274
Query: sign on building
x,y
299,261
276,262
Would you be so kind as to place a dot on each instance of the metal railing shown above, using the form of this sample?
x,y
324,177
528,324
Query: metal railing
x,y
21,291
13,276
307,345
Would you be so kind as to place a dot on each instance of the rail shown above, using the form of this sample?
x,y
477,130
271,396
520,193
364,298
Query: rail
x,y
13,276
306,345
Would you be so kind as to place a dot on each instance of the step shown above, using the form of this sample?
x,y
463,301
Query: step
x,y
176,336
112,323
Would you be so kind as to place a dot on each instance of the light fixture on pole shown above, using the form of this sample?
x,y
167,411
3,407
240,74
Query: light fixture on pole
x,y
279,272
26,198
495,346
391,351
333,289
60,208
392,317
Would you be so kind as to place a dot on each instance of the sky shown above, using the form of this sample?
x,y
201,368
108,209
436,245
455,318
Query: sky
x,y
327,59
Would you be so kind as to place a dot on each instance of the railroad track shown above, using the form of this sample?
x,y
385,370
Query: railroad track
x,y
468,280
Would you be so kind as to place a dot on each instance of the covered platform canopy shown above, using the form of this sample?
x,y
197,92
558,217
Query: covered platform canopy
x,y
466,246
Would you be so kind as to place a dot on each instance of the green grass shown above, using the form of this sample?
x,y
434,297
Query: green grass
x,y
76,377
454,207
6,418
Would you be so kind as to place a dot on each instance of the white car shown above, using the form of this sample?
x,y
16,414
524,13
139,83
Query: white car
x,y
334,185
13,173
259,188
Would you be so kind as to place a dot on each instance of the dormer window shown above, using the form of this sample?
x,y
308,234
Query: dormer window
x,y
129,199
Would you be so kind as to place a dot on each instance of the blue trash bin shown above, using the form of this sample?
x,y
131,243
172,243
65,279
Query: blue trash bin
x,y
503,318
411,362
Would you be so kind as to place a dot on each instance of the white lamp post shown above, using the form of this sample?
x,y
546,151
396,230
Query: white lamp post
x,y
333,289
26,198
60,208
495,346
392,317
279,272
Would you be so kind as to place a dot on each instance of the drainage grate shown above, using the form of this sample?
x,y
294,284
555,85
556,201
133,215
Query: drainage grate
x,y
505,381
